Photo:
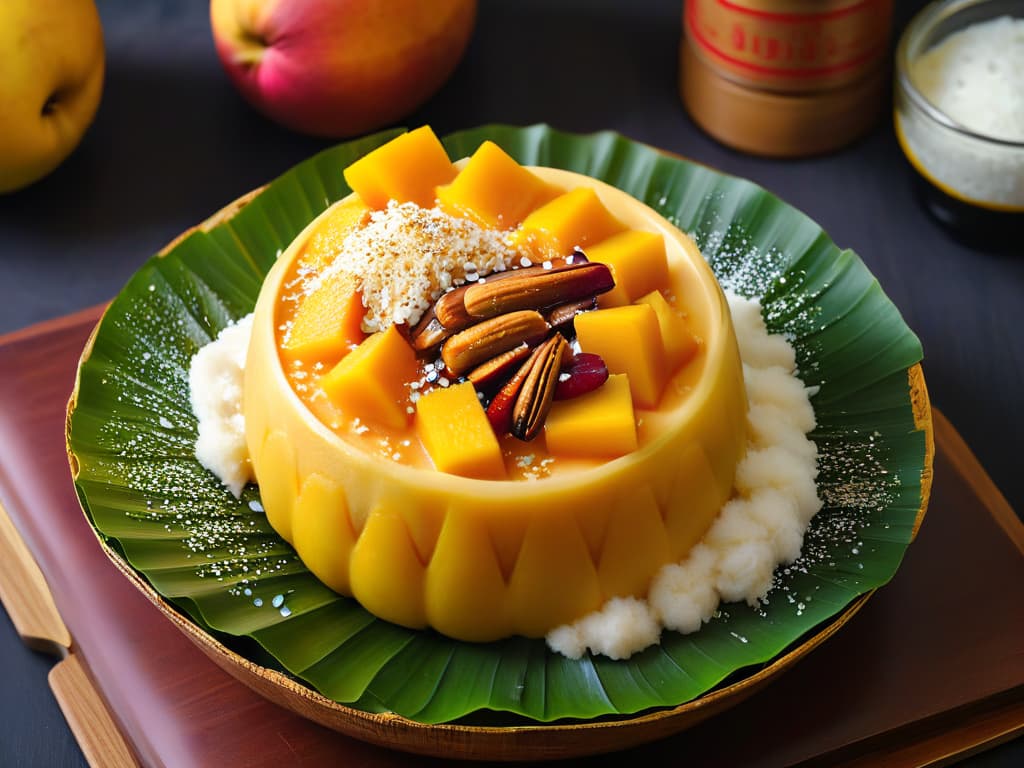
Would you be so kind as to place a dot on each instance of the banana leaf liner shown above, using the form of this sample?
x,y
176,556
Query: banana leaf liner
x,y
214,566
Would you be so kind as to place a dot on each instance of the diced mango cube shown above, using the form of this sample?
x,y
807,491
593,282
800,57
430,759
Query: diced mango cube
x,y
327,322
638,264
599,424
453,427
406,169
370,382
574,219
629,340
494,189
325,242
680,346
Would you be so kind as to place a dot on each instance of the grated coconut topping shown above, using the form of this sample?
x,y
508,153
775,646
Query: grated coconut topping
x,y
407,256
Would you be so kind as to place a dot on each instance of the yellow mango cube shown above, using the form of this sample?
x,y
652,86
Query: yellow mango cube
x,y
325,242
680,346
370,382
599,424
406,169
453,427
494,190
637,261
327,322
629,340
574,219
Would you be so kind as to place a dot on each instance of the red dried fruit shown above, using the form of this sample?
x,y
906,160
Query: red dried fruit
x,y
585,373
499,412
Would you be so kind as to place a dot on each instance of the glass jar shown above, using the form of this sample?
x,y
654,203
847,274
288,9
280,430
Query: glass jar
x,y
971,182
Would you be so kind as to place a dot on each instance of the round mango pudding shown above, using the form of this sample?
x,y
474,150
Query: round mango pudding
x,y
440,447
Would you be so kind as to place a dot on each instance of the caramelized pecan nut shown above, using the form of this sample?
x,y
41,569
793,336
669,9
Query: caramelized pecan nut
x,y
548,287
467,349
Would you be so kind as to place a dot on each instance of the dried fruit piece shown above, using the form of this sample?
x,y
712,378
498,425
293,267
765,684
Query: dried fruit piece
x,y
538,389
585,373
467,349
498,369
499,412
536,290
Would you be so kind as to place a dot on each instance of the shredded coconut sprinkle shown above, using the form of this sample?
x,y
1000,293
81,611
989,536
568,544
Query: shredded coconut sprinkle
x,y
407,256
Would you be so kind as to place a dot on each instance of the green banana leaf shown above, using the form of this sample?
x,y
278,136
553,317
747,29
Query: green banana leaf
x,y
217,560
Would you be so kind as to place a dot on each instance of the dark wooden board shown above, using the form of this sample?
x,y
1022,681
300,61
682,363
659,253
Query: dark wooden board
x,y
930,667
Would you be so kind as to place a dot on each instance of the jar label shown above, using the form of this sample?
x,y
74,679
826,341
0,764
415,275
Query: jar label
x,y
784,44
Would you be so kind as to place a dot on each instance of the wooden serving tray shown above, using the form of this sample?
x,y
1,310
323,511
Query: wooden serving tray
x,y
930,668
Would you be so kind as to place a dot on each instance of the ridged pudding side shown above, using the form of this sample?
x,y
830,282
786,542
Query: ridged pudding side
x,y
482,559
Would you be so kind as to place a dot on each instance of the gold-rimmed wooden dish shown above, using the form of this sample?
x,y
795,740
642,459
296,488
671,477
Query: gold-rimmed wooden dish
x,y
130,458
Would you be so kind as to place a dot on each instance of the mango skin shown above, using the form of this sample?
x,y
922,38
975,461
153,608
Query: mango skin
x,y
478,559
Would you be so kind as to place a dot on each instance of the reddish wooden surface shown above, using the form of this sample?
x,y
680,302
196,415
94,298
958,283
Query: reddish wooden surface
x,y
930,656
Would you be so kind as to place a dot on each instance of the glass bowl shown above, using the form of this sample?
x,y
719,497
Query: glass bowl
x,y
972,182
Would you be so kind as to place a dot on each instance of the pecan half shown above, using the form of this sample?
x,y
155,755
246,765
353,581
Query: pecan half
x,y
560,318
467,349
538,388
498,369
451,311
535,290
428,332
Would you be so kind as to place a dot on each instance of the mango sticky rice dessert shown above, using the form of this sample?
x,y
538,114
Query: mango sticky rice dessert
x,y
486,398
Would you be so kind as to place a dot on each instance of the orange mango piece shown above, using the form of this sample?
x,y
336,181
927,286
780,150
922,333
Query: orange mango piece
x,y
327,322
638,264
574,219
453,427
629,340
406,169
326,240
370,382
494,190
599,424
679,344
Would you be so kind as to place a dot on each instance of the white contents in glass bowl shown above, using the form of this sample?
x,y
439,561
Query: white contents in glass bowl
x,y
976,78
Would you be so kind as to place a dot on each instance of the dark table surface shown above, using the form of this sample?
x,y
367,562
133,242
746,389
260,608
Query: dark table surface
x,y
173,142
